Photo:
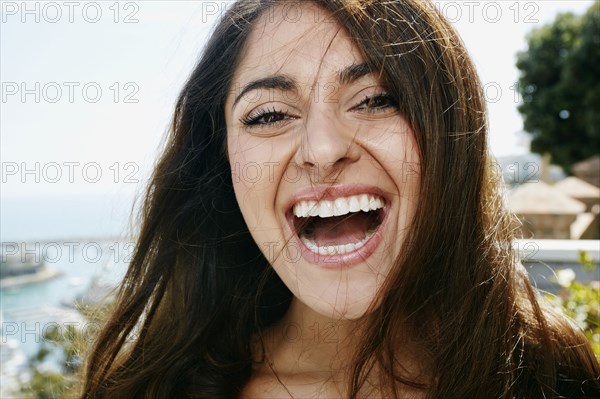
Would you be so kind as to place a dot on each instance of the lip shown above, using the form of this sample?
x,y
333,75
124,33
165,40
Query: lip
x,y
349,259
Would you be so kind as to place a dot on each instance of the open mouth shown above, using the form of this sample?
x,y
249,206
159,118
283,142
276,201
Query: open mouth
x,y
338,226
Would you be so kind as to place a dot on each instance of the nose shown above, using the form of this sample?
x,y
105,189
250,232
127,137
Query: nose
x,y
327,147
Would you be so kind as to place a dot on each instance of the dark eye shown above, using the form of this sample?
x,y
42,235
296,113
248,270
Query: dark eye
x,y
265,118
376,103
271,117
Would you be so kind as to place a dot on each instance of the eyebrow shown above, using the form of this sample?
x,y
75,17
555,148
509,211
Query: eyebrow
x,y
346,76
281,82
353,72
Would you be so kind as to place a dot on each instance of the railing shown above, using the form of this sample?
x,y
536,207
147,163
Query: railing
x,y
544,258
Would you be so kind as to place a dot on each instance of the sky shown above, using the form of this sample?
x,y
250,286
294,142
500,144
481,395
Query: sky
x,y
88,90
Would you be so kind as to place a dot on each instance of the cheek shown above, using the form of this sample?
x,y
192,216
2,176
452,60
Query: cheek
x,y
393,149
243,181
253,178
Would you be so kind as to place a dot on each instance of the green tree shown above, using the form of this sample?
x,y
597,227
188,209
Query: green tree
x,y
560,86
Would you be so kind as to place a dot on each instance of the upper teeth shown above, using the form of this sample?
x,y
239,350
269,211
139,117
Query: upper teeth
x,y
338,207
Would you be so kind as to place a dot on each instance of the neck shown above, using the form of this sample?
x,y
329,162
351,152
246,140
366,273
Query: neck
x,y
306,341
306,347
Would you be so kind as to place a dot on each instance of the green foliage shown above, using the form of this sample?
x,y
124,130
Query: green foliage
x,y
64,343
560,87
586,261
580,302
54,384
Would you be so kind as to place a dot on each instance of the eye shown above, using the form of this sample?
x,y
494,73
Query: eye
x,y
376,103
266,118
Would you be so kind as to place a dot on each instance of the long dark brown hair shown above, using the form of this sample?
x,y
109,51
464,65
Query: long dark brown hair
x,y
198,288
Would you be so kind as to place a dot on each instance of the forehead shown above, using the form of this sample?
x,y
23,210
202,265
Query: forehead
x,y
306,43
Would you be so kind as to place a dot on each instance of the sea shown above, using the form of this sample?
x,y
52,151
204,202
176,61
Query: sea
x,y
84,240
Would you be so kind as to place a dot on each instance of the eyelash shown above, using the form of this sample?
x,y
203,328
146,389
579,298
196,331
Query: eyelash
x,y
253,120
370,99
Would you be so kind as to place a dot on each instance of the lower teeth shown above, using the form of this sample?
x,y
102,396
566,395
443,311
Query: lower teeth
x,y
336,249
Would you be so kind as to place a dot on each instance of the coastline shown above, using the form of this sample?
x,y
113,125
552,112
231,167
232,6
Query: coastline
x,y
45,274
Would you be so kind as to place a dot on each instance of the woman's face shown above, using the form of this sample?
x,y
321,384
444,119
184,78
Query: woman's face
x,y
324,167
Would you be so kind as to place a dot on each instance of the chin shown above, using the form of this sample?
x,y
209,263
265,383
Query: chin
x,y
342,309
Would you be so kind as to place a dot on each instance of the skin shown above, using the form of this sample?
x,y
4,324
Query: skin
x,y
321,132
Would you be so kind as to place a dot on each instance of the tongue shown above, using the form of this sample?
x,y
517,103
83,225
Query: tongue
x,y
338,230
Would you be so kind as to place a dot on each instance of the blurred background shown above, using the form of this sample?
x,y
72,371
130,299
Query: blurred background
x,y
87,94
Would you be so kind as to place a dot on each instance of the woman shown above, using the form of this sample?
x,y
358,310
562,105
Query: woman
x,y
325,222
